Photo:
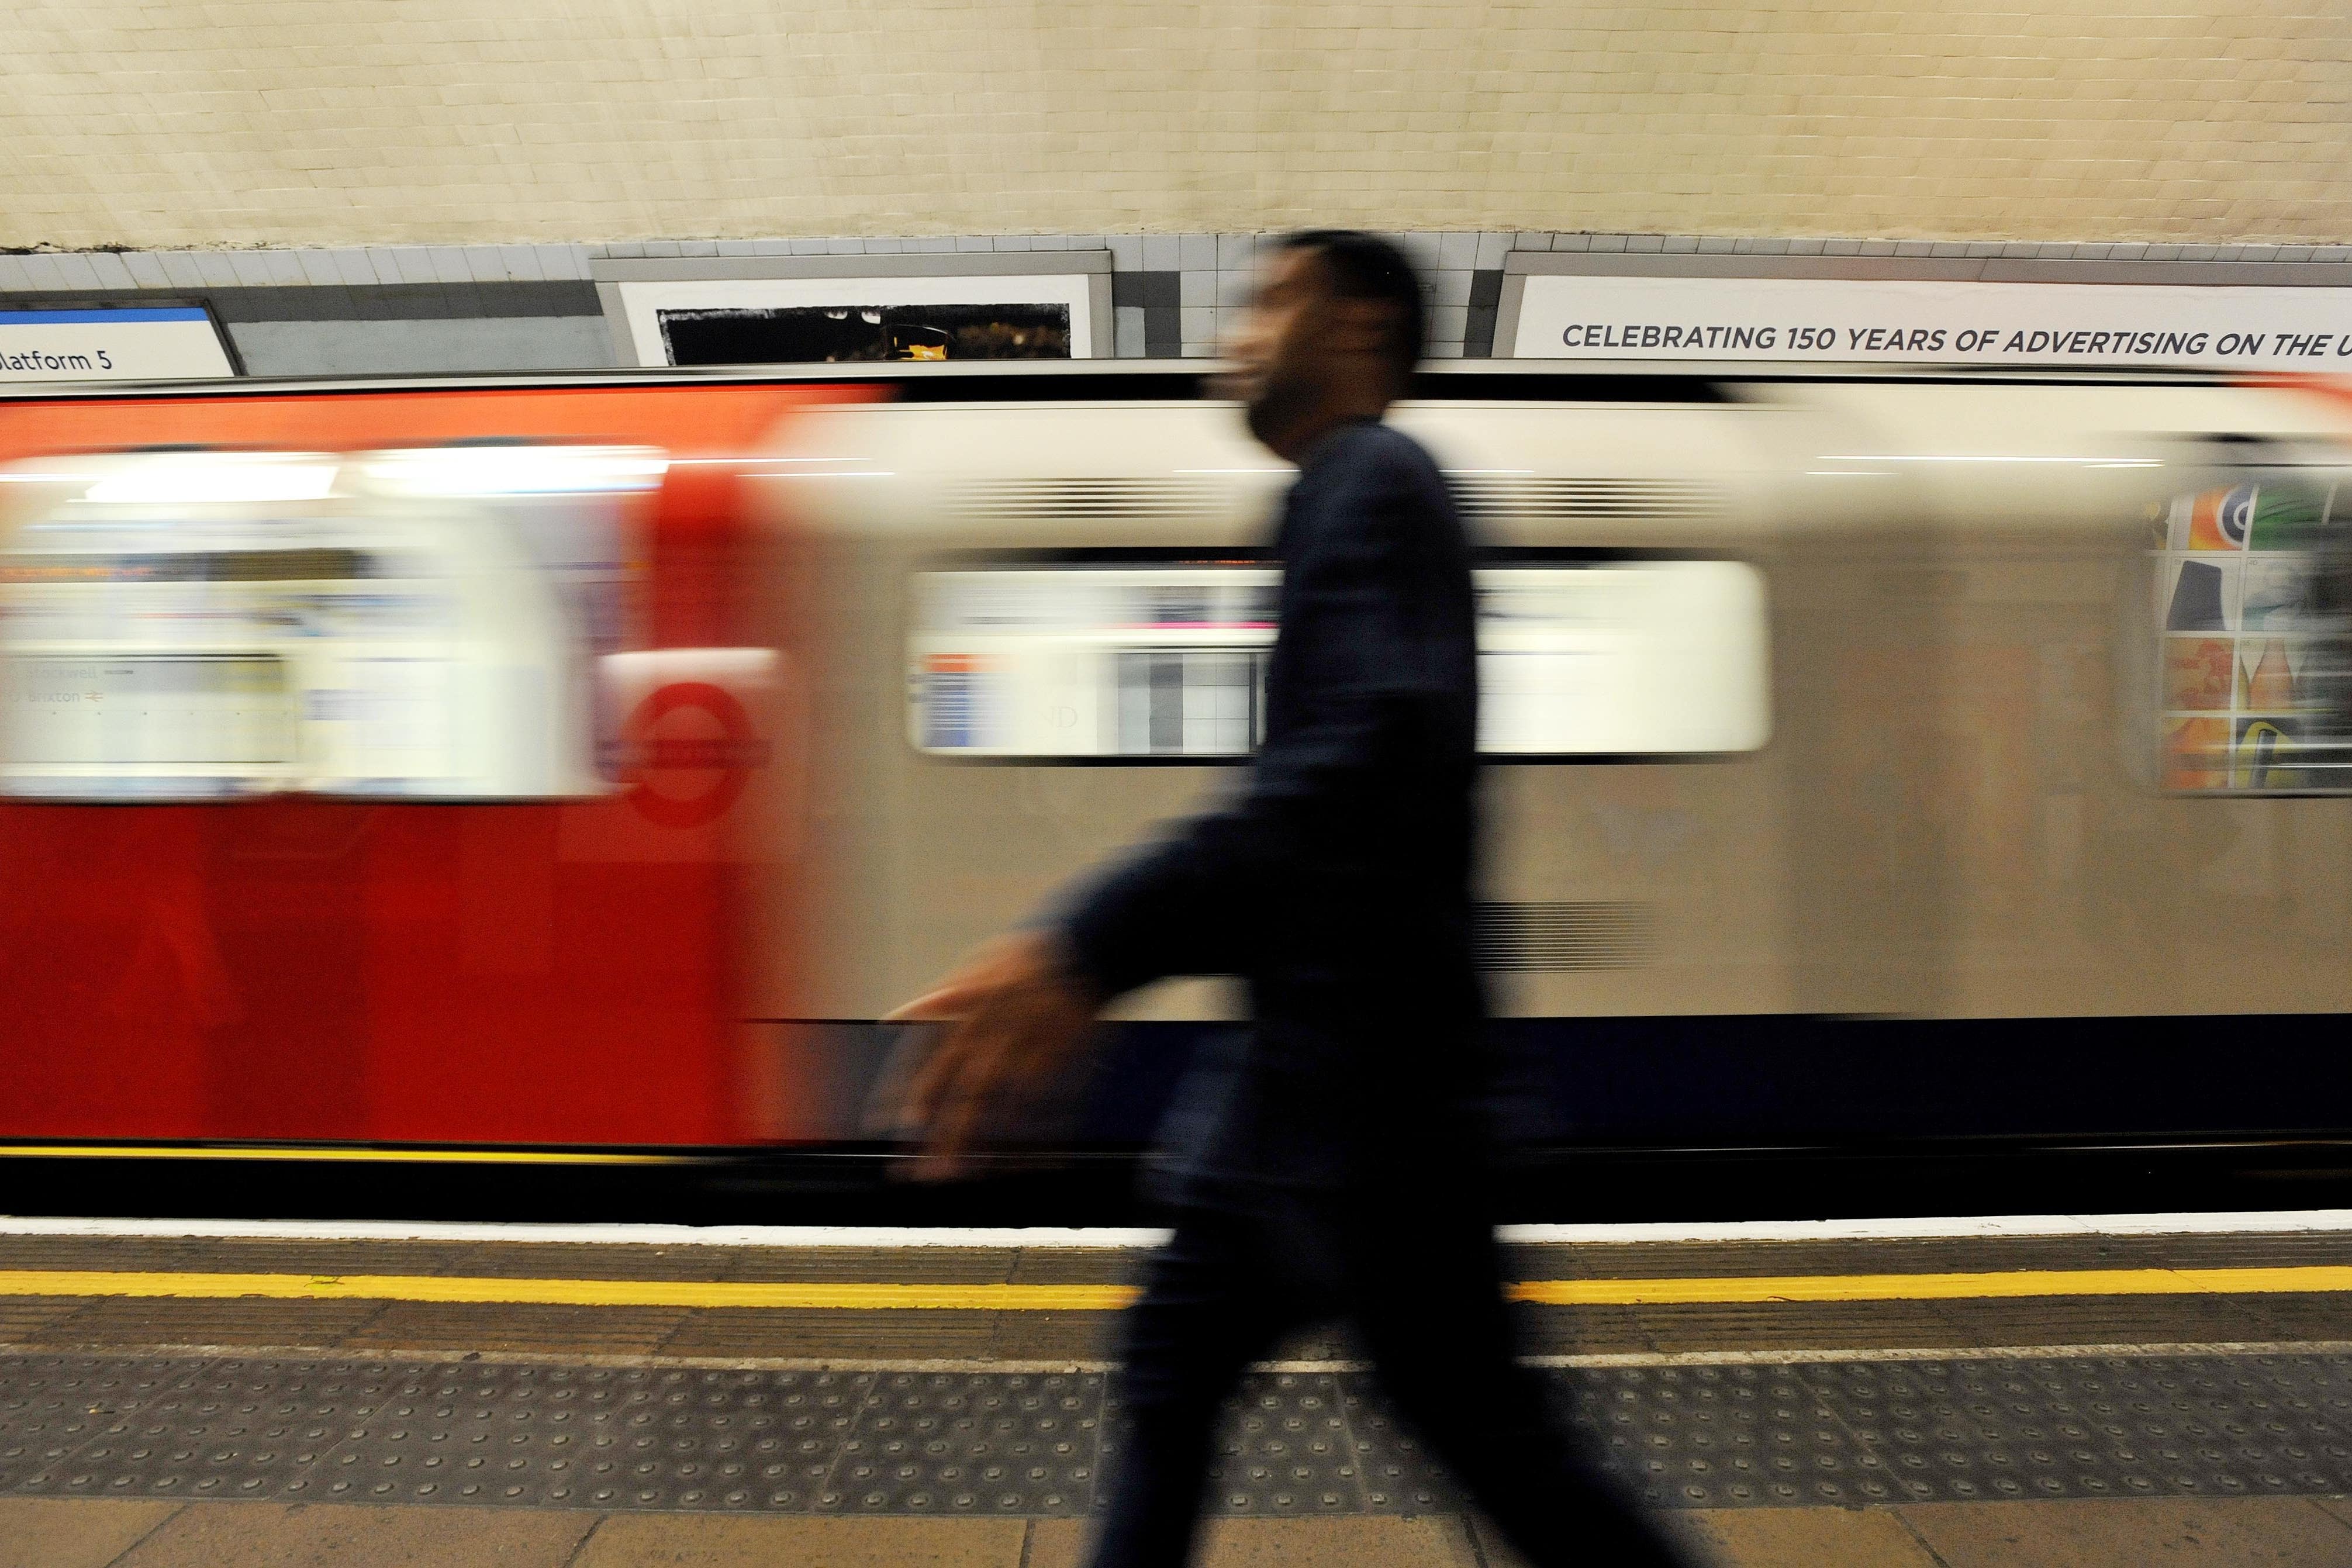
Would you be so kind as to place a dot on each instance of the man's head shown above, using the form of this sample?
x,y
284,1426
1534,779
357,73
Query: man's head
x,y
1333,333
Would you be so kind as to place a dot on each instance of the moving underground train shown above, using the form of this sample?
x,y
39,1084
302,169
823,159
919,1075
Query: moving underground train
x,y
575,769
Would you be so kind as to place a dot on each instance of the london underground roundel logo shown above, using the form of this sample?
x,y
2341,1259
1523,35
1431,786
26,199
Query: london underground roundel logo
x,y
690,750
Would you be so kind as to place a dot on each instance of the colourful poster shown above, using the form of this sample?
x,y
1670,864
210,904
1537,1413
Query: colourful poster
x,y
2197,672
2218,520
2266,755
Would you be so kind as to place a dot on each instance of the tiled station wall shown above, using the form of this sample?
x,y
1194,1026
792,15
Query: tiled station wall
x,y
261,123
428,309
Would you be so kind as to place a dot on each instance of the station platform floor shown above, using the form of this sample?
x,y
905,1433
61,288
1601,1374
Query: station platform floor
x,y
1969,1394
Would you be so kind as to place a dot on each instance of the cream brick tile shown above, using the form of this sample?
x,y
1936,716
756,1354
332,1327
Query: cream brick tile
x,y
2212,122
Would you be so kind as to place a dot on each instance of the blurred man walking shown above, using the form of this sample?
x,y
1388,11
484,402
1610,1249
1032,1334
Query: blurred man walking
x,y
1335,1165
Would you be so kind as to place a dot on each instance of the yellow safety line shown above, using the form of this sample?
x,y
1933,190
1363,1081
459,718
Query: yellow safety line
x,y
326,1153
1005,1297
481,1289
2013,1283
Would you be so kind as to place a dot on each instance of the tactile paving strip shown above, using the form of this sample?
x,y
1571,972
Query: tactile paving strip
x,y
1849,1433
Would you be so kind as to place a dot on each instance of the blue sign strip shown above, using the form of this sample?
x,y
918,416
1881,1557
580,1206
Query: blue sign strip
x,y
102,318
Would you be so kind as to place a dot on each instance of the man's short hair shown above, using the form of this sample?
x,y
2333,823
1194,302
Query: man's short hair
x,y
1361,266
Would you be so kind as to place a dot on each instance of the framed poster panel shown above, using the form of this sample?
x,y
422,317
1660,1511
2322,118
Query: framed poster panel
x,y
957,308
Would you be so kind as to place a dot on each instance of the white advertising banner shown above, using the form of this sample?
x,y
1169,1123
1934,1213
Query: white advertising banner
x,y
1822,320
171,343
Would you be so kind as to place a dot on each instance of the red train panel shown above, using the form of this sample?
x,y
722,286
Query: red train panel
x,y
287,968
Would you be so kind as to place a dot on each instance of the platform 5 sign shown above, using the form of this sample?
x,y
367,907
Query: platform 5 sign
x,y
172,342
1837,321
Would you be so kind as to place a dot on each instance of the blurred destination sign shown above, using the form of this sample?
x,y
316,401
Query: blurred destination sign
x,y
1917,321
167,343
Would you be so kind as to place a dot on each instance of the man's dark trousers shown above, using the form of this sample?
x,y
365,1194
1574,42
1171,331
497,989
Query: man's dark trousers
x,y
1420,1281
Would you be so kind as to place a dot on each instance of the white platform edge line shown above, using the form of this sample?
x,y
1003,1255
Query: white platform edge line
x,y
2306,1221
1788,1356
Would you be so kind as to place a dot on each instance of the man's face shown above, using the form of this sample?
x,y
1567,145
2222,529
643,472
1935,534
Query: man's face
x,y
1280,353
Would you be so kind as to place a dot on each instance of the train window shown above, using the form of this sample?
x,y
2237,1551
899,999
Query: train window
x,y
1579,657
419,625
1130,660
1618,657
2250,598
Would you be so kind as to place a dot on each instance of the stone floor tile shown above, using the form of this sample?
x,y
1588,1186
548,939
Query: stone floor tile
x,y
2339,1507
518,1326
53,1533
2140,1532
710,1541
1791,1538
885,1334
1356,1542
134,1320
344,1535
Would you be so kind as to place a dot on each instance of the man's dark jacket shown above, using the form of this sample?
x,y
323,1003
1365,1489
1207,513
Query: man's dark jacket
x,y
1335,882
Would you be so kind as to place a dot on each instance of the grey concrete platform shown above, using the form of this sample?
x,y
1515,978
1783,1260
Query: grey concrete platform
x,y
1780,1434
2229,1532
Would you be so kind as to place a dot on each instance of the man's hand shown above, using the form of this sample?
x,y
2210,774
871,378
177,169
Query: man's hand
x,y
1018,1015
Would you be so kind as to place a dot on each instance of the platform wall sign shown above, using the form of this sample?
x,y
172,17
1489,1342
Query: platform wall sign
x,y
1827,321
168,343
